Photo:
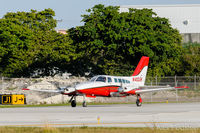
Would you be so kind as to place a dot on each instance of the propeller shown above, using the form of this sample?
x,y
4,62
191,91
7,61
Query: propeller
x,y
62,89
67,89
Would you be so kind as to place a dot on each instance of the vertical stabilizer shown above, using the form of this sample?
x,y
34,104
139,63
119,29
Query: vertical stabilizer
x,y
144,61
139,75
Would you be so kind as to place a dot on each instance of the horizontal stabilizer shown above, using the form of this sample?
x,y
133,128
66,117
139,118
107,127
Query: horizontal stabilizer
x,y
50,91
155,89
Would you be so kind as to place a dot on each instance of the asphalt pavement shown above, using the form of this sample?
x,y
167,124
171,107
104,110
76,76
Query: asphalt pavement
x,y
174,115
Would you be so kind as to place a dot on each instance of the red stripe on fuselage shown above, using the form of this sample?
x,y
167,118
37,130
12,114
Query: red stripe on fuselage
x,y
99,91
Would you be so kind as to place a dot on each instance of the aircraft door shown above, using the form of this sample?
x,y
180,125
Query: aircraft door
x,y
109,79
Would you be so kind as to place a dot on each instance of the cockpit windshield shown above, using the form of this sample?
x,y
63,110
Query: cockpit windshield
x,y
93,79
101,79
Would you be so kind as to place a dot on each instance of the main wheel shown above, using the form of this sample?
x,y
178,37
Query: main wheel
x,y
138,103
84,104
73,103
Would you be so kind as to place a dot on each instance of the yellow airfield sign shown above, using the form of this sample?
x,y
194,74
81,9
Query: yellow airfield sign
x,y
13,99
6,99
18,99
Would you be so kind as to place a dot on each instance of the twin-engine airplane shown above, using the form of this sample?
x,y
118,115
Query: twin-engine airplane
x,y
113,86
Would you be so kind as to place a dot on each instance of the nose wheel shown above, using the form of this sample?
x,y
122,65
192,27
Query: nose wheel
x,y
73,101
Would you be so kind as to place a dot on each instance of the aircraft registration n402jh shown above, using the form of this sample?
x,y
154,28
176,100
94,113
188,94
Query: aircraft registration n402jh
x,y
113,86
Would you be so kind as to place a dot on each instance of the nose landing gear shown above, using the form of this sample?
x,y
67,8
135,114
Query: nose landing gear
x,y
73,101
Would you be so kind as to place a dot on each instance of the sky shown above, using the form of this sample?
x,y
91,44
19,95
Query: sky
x,y
70,11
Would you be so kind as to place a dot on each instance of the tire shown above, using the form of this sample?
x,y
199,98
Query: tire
x,y
84,104
138,103
73,103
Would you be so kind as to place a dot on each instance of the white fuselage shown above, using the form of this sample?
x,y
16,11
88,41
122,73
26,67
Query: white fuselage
x,y
110,83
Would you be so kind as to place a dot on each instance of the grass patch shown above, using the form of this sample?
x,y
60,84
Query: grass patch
x,y
80,104
86,129
68,104
38,105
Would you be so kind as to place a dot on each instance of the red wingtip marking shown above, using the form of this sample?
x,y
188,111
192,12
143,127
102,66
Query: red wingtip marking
x,y
132,92
144,61
25,89
184,87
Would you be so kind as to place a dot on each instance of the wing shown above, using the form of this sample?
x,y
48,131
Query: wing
x,y
43,90
146,89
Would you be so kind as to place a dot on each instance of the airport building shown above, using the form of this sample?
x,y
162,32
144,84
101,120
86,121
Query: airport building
x,y
185,18
61,31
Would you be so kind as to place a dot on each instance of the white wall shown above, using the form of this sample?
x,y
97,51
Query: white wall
x,y
177,14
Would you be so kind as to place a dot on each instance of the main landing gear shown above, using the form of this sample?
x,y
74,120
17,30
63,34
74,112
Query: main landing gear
x,y
73,101
84,102
139,100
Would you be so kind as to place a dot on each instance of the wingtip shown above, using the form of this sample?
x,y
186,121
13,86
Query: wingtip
x,y
25,89
183,87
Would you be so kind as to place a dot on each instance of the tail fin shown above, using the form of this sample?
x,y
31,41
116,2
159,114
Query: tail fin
x,y
144,61
139,75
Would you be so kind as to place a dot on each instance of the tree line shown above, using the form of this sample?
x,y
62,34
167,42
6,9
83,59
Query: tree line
x,y
109,42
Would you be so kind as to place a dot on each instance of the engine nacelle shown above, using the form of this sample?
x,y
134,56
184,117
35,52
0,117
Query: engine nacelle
x,y
120,89
119,92
115,94
69,89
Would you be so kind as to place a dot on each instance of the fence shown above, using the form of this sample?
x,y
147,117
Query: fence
x,y
14,85
192,81
185,95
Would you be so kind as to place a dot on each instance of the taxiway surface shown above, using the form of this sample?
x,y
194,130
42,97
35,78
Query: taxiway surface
x,y
127,115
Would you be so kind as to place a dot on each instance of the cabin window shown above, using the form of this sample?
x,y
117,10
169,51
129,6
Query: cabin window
x,y
115,80
101,79
123,80
127,81
120,80
109,80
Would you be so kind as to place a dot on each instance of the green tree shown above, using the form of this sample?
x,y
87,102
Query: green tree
x,y
34,20
15,47
29,44
55,53
113,42
191,59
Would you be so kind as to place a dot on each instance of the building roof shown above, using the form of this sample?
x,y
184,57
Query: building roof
x,y
183,17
